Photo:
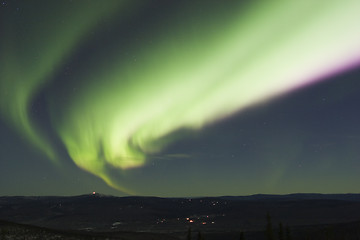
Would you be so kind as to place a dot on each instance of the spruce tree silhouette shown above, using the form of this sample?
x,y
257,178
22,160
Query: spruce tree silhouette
x,y
242,237
281,232
269,230
200,236
288,234
188,236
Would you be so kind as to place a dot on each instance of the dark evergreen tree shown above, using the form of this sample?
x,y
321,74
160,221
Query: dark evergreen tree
x,y
269,230
329,233
281,232
288,233
242,237
200,236
188,236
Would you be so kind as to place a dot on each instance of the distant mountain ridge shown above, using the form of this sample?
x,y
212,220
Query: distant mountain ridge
x,y
97,212
298,196
254,197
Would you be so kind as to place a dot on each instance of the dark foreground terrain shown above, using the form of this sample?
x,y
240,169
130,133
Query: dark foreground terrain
x,y
302,216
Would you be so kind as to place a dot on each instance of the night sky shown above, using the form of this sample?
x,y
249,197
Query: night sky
x,y
179,98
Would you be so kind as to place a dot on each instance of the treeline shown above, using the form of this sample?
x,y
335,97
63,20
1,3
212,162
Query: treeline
x,y
283,232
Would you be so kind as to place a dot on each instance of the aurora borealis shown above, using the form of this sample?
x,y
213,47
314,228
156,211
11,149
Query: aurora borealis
x,y
131,91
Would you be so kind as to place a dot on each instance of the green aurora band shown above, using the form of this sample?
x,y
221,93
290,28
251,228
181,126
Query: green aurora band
x,y
31,51
192,70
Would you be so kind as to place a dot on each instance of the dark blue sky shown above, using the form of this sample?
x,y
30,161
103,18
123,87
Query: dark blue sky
x,y
304,140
